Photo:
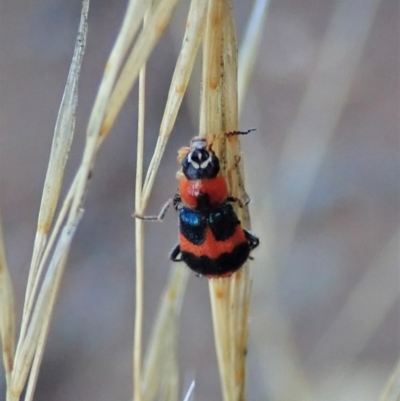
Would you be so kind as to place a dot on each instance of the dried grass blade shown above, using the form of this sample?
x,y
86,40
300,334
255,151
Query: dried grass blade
x,y
47,251
108,94
130,25
229,296
239,291
44,330
139,235
169,388
210,115
144,45
230,116
41,314
229,101
97,130
219,296
166,322
62,139
184,66
7,312
49,246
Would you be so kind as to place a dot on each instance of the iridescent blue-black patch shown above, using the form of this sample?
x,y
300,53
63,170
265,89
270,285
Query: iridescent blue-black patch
x,y
192,225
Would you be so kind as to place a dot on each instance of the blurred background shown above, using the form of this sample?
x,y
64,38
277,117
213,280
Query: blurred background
x,y
322,170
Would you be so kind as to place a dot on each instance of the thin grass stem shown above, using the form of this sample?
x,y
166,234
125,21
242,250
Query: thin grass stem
x,y
139,236
34,372
7,313
147,39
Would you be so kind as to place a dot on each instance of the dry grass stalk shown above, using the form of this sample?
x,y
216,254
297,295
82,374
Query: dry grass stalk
x,y
157,22
139,235
7,313
62,139
33,375
219,113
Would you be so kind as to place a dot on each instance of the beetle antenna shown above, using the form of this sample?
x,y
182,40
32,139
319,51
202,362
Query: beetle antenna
x,y
232,133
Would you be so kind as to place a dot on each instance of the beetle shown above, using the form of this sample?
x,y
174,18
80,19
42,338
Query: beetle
x,y
212,241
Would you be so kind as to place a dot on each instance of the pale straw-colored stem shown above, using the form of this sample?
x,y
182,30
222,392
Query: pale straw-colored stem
x,y
41,314
219,113
147,39
139,238
7,313
34,372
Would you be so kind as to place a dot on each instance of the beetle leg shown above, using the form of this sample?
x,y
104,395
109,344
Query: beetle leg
x,y
158,217
177,202
175,253
251,239
239,201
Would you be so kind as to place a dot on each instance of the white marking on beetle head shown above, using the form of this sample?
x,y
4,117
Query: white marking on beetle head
x,y
192,162
206,162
